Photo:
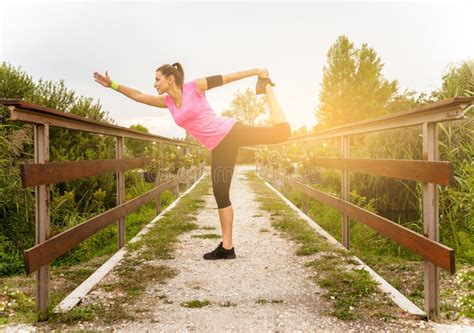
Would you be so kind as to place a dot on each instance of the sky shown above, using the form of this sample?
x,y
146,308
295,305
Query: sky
x,y
68,41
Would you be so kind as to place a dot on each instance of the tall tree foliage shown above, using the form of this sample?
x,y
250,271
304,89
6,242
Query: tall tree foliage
x,y
353,86
135,147
17,204
458,80
246,107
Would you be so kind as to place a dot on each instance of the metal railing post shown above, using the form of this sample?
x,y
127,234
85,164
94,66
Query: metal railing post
x,y
158,204
430,221
345,192
120,191
304,203
42,218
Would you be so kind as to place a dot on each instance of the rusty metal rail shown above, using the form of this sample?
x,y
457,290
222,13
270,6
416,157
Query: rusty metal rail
x,y
430,172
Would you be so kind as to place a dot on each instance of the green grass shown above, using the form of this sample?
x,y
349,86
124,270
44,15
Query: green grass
x,y
349,289
273,301
285,220
352,292
194,304
17,305
207,228
207,236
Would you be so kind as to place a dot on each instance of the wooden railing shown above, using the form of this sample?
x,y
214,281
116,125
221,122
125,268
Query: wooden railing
x,y
429,171
42,173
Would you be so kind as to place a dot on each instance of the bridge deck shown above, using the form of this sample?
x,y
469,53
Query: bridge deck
x,y
266,269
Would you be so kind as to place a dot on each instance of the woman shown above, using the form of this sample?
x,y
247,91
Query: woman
x,y
223,136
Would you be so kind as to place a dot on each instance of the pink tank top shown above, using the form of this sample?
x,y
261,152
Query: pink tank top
x,y
198,118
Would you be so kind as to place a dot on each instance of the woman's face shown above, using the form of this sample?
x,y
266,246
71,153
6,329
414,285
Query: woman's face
x,y
162,83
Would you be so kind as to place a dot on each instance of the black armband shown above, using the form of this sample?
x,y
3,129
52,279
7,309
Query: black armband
x,y
214,81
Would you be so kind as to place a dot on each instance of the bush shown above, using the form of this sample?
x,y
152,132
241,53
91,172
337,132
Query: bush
x,y
11,261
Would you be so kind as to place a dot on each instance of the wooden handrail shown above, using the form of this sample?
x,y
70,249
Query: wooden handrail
x,y
32,113
34,174
449,109
435,252
422,171
42,254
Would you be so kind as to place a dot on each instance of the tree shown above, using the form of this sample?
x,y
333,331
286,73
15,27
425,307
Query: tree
x,y
246,107
353,87
300,131
136,147
17,204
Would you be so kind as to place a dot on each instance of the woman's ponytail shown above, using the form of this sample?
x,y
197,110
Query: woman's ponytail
x,y
175,70
180,75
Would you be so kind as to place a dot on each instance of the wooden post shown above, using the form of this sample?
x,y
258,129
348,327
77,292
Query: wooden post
x,y
257,171
42,219
157,182
303,154
304,203
430,221
179,154
345,192
158,204
120,192
188,178
186,172
159,169
176,189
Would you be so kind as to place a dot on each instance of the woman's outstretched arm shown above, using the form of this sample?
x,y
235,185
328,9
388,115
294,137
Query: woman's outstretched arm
x,y
207,83
243,74
138,96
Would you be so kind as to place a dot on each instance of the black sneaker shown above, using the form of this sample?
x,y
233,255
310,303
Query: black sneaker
x,y
220,253
261,84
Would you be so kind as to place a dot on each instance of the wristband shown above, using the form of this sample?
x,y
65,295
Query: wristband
x,y
114,85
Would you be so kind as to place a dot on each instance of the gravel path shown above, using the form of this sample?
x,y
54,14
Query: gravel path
x,y
266,269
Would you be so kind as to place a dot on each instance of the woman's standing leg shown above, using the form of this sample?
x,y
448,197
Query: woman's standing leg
x,y
223,159
226,218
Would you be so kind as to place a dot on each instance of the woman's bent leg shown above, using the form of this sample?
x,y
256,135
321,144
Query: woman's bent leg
x,y
276,113
247,135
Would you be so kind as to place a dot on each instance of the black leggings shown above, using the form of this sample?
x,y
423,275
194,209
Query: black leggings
x,y
224,155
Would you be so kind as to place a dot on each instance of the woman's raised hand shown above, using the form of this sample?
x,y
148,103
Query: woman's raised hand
x,y
103,80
